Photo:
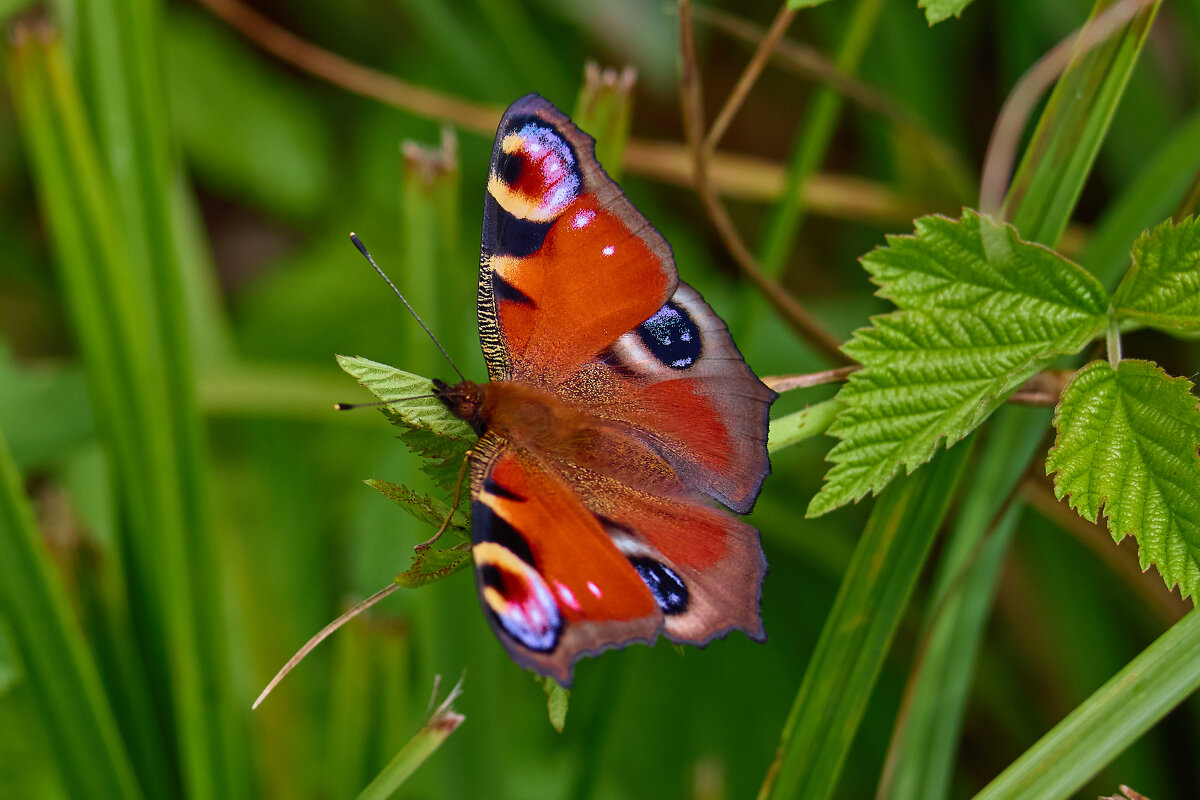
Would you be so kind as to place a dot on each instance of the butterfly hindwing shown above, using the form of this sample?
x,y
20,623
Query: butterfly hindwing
x,y
551,581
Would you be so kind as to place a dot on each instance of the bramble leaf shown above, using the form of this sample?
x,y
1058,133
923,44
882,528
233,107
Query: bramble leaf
x,y
421,506
432,565
1127,446
388,383
1162,288
980,311
426,425
938,10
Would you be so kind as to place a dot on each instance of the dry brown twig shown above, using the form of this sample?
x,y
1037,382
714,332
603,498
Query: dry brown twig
x,y
795,314
1043,389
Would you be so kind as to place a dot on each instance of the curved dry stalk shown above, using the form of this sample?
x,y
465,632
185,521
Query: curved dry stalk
x,y
1014,113
808,62
796,315
1043,389
744,177
786,383
321,636
749,76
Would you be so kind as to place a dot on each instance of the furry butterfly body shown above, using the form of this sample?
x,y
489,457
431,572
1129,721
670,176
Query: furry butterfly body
x,y
618,421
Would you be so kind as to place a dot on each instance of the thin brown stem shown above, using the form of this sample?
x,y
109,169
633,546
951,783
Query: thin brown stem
x,y
1043,389
321,636
796,315
749,76
808,62
785,383
1006,133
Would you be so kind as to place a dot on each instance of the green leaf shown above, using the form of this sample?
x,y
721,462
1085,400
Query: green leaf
x,y
938,10
557,700
391,384
442,456
1126,445
429,566
421,506
1162,288
980,312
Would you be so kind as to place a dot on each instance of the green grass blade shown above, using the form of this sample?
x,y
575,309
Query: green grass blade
x,y
1108,722
801,425
925,742
854,642
427,740
149,425
120,40
1060,155
92,758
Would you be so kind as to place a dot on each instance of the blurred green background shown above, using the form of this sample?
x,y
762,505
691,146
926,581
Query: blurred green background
x,y
237,177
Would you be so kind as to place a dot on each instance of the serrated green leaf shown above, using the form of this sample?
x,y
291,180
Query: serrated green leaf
x,y
429,566
980,312
388,384
938,10
1127,445
1162,288
442,456
421,506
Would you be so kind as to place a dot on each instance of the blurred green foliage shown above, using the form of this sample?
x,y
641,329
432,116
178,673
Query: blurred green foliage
x,y
237,178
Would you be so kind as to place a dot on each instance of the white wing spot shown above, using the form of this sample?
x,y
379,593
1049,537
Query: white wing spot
x,y
583,218
608,251
594,589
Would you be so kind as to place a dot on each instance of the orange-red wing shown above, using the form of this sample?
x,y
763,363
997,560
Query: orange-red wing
x,y
552,582
679,382
704,566
567,263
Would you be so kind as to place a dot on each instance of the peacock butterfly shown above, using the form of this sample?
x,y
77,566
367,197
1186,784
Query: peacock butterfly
x,y
620,425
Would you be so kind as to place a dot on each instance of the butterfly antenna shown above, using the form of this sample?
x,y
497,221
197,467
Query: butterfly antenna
x,y
322,636
393,401
362,248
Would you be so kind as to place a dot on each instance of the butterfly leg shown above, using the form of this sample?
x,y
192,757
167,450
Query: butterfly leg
x,y
462,471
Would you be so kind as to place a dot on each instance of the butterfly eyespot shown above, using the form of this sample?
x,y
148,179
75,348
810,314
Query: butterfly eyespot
x,y
510,168
672,337
668,588
519,598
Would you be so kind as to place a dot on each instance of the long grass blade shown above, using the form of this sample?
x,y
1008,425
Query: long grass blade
x,y
1114,717
874,592
91,757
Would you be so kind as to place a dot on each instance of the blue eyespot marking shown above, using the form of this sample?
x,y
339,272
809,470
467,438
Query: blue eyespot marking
x,y
671,336
667,587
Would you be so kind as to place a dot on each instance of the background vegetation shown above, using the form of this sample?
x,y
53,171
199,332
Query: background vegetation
x,y
182,510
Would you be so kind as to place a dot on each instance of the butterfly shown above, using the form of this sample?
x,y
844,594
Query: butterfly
x,y
620,427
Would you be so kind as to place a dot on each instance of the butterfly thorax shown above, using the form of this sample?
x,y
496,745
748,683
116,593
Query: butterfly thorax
x,y
518,411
